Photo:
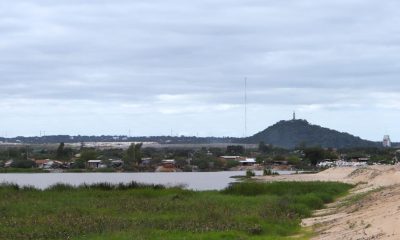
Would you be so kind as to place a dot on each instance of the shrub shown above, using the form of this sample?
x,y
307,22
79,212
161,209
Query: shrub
x,y
23,164
250,173
12,186
60,187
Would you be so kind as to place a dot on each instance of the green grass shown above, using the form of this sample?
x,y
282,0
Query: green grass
x,y
96,170
22,170
138,211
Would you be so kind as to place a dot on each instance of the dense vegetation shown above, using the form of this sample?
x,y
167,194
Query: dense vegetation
x,y
135,211
146,159
291,134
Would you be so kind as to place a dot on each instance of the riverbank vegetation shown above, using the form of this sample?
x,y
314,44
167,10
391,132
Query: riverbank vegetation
x,y
140,158
22,170
247,210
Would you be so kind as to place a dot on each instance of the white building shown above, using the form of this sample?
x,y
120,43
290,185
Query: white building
x,y
248,162
95,164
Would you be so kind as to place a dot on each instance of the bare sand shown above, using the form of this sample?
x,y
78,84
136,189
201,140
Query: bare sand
x,y
371,211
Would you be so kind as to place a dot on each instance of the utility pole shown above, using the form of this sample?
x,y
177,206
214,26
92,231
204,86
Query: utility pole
x,y
245,107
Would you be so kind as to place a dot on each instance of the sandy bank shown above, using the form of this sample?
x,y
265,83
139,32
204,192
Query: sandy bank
x,y
369,177
372,211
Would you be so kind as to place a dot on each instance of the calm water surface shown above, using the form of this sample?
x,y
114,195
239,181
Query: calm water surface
x,y
192,180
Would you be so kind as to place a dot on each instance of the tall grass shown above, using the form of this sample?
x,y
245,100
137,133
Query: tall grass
x,y
22,170
284,188
140,211
105,186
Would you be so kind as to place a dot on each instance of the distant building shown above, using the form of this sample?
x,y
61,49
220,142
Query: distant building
x,y
116,163
386,141
42,163
8,163
146,161
168,163
248,162
94,164
236,158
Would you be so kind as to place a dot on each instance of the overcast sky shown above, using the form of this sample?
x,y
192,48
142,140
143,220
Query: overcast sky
x,y
161,66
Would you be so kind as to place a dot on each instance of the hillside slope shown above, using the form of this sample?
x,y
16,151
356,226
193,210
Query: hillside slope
x,y
289,134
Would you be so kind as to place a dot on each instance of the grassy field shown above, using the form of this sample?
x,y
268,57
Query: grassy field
x,y
135,211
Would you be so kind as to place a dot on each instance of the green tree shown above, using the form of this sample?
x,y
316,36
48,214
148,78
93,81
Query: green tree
x,y
133,155
61,154
314,154
263,148
232,163
60,151
235,150
23,164
294,160
88,154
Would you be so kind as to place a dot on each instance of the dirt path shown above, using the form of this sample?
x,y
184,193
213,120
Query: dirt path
x,y
371,211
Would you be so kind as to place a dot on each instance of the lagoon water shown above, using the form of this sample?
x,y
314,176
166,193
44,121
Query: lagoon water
x,y
191,180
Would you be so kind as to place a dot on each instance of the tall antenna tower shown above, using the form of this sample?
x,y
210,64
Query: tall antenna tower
x,y
245,107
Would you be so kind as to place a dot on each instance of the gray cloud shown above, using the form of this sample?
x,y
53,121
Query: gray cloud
x,y
184,60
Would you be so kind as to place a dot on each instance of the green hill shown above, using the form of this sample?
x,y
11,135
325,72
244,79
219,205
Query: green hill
x,y
289,134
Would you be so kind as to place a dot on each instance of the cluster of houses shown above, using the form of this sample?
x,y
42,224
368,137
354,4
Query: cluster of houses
x,y
44,164
170,165
360,161
341,163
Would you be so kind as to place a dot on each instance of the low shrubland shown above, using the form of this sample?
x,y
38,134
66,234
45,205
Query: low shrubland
x,y
247,210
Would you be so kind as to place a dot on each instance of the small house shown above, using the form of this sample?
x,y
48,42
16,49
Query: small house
x,y
146,161
231,158
8,163
116,163
168,163
248,162
95,164
42,163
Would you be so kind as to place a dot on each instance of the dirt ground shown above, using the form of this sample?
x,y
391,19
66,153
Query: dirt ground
x,y
371,211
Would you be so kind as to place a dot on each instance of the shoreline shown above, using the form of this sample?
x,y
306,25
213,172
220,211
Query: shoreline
x,y
370,211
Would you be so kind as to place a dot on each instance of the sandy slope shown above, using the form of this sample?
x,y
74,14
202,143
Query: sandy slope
x,y
376,215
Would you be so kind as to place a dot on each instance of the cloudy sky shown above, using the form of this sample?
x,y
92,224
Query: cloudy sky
x,y
161,66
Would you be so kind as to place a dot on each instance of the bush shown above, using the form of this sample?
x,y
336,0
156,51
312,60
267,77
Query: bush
x,y
250,173
12,186
232,163
60,187
121,186
269,172
23,164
